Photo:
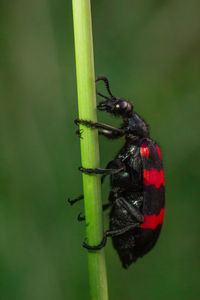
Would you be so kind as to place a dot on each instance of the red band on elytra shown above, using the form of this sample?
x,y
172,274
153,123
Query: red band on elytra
x,y
144,149
154,177
158,151
151,222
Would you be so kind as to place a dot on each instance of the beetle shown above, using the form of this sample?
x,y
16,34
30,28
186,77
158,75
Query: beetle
x,y
137,187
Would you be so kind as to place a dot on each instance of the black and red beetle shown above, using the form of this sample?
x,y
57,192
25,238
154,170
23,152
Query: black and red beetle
x,y
137,195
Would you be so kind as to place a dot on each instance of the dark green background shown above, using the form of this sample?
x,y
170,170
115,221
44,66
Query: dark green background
x,y
150,50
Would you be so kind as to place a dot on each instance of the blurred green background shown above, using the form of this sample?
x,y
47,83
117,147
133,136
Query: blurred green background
x,y
150,51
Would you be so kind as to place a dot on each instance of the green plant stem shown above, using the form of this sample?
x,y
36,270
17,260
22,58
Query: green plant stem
x,y
89,145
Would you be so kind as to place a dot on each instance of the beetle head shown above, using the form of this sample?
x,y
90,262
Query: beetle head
x,y
112,104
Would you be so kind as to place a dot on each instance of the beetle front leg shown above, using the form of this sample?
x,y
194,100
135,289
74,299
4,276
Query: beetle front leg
x,y
113,131
111,134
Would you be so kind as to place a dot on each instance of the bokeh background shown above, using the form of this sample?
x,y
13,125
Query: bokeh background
x,y
150,50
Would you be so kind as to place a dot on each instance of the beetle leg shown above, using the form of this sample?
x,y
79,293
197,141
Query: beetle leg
x,y
98,247
81,196
75,200
97,125
110,233
80,218
108,166
79,133
71,202
133,210
100,171
111,134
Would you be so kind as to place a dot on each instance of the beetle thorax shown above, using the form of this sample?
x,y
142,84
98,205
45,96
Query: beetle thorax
x,y
135,127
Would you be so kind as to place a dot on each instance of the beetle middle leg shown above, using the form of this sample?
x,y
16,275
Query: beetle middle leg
x,y
113,167
81,196
100,171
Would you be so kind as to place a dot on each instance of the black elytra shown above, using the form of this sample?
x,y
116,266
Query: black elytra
x,y
137,192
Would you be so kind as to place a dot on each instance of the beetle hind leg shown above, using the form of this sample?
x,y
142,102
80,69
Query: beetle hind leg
x,y
110,233
98,247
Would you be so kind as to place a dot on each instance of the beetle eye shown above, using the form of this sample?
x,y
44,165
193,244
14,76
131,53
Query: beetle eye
x,y
123,105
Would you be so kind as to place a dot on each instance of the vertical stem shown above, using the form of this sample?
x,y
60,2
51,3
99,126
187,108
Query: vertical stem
x,y
89,145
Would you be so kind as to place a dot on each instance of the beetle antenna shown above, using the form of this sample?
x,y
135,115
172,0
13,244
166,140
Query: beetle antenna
x,y
106,84
106,97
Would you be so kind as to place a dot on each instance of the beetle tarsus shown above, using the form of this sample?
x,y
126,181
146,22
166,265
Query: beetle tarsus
x,y
80,218
71,202
110,233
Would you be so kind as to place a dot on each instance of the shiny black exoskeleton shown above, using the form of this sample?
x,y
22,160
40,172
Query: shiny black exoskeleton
x,y
137,183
